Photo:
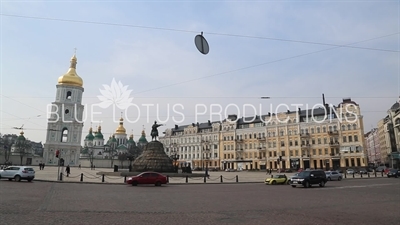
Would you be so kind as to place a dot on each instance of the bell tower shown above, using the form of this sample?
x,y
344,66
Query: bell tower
x,y
64,126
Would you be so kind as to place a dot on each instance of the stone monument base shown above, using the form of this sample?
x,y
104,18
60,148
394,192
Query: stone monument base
x,y
153,158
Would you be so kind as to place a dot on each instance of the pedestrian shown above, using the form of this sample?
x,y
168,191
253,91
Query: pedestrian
x,y
68,170
79,166
42,166
94,167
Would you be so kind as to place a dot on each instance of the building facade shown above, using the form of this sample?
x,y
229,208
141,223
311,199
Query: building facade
x,y
389,137
372,144
321,138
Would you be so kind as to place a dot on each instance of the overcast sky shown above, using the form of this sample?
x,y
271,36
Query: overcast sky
x,y
257,48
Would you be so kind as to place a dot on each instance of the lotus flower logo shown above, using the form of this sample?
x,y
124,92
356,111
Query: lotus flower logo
x,y
117,94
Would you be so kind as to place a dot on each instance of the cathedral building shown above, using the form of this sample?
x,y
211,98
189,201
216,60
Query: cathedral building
x,y
118,143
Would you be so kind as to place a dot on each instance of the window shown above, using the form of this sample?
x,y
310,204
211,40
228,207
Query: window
x,y
344,139
319,141
68,95
324,129
325,141
281,133
296,143
326,151
343,127
350,139
335,128
290,143
312,130
355,138
320,151
290,132
348,127
249,136
354,127
313,141
318,130
282,144
64,135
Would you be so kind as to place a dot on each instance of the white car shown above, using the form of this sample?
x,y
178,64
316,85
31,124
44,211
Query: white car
x,y
18,173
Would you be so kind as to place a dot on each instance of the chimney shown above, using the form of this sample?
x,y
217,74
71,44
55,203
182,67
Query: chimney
x,y
193,124
176,127
209,122
197,123
299,110
323,100
288,111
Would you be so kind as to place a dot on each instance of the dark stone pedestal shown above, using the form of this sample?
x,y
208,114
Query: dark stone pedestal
x,y
154,159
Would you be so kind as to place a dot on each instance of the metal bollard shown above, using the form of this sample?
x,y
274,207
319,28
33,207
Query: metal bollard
x,y
222,179
237,178
187,179
361,175
368,175
382,173
61,176
125,179
375,173
167,178
81,177
102,179
353,175
345,175
205,178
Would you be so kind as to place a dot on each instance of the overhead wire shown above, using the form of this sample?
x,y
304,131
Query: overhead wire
x,y
190,31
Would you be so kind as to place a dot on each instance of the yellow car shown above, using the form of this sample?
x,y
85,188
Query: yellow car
x,y
277,179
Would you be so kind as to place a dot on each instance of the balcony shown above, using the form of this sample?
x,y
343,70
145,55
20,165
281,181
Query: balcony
x,y
336,143
305,135
333,133
239,140
306,146
261,139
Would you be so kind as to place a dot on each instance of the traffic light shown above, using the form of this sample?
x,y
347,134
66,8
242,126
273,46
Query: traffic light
x,y
57,153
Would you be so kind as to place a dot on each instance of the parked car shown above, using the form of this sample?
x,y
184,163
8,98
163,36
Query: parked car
x,y
333,175
362,171
276,179
350,171
148,178
380,169
393,173
309,178
18,173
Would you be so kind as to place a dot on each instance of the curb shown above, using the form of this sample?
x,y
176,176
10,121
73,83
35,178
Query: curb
x,y
79,182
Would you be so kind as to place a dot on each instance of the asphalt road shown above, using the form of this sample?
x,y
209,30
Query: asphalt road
x,y
354,201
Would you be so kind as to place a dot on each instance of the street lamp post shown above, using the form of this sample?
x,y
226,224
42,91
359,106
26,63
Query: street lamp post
x,y
174,156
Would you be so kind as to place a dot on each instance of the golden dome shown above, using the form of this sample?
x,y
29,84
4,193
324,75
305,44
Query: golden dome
x,y
71,77
121,128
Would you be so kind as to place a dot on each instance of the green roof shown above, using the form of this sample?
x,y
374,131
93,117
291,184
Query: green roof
x,y
90,136
99,135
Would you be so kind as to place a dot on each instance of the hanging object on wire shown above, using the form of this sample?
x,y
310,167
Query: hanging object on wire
x,y
201,44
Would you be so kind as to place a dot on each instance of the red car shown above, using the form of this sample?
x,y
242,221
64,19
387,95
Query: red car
x,y
148,178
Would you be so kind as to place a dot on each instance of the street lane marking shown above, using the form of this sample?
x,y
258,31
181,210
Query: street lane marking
x,y
358,186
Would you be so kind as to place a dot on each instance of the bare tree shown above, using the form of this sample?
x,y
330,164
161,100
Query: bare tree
x,y
23,148
111,149
5,147
122,157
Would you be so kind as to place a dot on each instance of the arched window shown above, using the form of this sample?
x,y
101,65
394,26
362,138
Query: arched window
x,y
69,93
335,128
354,126
312,130
281,133
324,129
348,127
64,135
249,136
318,130
343,127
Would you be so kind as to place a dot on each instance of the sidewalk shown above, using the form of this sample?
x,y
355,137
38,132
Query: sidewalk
x,y
92,176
